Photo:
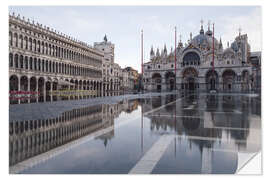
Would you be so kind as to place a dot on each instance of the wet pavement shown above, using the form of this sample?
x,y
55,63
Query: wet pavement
x,y
158,134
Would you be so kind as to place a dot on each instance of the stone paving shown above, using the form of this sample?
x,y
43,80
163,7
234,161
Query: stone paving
x,y
47,110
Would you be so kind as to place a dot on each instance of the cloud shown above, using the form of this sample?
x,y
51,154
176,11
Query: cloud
x,y
250,24
153,23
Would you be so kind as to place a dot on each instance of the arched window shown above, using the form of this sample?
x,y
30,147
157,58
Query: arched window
x,y
26,62
21,61
53,67
10,38
21,41
31,63
26,42
35,45
16,61
53,50
42,47
56,64
64,53
10,60
42,65
35,63
16,39
50,49
46,66
38,46
39,65
191,57
46,48
50,66
30,44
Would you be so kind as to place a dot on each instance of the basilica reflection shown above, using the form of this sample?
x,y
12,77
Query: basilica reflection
x,y
32,137
212,116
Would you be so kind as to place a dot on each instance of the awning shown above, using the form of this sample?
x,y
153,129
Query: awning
x,y
65,83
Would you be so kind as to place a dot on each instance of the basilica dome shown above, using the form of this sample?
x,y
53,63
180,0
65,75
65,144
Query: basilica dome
x,y
228,51
235,46
205,40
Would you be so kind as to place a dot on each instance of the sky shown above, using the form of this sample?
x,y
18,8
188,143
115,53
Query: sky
x,y
123,24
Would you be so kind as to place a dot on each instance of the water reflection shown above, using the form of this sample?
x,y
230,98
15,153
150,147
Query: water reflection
x,y
201,124
33,137
215,116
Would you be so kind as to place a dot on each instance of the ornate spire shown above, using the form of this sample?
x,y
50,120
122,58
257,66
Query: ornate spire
x,y
180,44
165,48
209,32
152,51
239,31
220,43
190,36
201,31
105,38
157,53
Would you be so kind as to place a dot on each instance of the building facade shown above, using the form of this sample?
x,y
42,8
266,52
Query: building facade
x,y
133,77
42,60
230,71
111,71
45,65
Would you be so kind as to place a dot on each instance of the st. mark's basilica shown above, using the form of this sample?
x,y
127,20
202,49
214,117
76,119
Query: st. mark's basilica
x,y
203,64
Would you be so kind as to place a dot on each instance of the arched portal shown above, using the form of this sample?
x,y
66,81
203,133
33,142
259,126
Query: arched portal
x,y
211,80
33,87
228,78
33,84
41,88
13,83
156,81
190,79
170,80
48,89
13,86
24,83
245,80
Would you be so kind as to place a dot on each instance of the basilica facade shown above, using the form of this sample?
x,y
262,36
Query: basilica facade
x,y
202,64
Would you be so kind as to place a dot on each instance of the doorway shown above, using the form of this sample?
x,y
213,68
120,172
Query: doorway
x,y
191,84
159,87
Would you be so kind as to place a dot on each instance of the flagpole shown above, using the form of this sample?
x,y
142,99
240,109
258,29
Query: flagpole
x,y
175,57
142,56
213,65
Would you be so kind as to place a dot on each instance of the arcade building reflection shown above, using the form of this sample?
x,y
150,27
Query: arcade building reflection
x,y
32,137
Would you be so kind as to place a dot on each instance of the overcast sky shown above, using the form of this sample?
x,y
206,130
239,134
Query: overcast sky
x,y
123,24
